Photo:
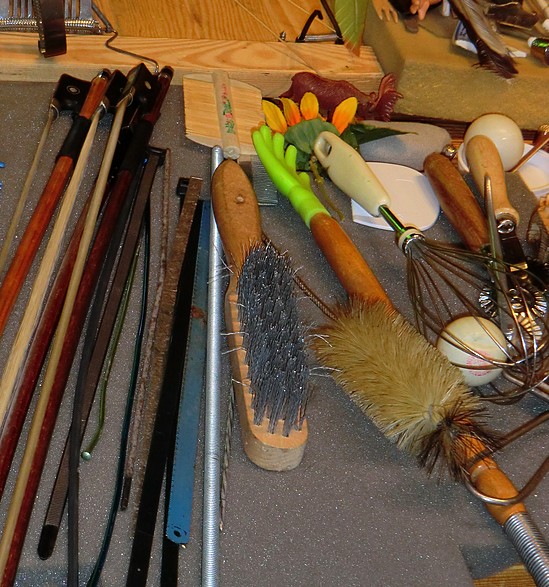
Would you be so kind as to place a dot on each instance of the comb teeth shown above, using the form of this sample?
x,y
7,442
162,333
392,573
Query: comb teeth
x,y
273,339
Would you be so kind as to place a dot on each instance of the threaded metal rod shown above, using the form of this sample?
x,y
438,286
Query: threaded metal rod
x,y
531,545
212,438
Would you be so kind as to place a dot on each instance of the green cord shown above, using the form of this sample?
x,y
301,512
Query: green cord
x,y
117,494
109,359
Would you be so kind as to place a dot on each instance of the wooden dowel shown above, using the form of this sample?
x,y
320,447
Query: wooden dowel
x,y
16,217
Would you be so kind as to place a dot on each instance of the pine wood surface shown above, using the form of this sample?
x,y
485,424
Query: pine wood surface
x,y
253,20
196,36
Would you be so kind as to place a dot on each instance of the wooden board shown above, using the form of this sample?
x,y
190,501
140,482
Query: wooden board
x,y
252,20
201,119
268,66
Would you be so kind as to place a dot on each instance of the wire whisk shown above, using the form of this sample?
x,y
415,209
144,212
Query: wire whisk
x,y
447,284
489,316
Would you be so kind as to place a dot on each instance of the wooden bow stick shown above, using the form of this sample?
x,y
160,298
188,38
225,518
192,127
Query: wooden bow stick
x,y
41,284
69,96
27,481
62,171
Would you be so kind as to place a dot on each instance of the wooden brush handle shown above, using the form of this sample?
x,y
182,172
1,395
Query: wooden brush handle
x,y
271,451
239,223
484,160
489,479
236,211
529,542
457,201
346,261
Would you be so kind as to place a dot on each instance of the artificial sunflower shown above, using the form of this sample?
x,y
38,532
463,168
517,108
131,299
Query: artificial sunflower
x,y
302,123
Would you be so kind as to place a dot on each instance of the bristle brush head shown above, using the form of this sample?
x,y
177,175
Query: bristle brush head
x,y
274,339
415,396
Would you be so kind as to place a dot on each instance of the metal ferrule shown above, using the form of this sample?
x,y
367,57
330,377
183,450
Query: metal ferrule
x,y
531,545
405,234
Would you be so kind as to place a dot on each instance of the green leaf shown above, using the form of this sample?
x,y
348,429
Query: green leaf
x,y
351,18
304,133
364,133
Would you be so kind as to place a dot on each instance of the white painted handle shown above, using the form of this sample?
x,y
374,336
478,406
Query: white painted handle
x,y
225,115
350,173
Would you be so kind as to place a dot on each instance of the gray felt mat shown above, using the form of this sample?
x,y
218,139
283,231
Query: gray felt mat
x,y
356,512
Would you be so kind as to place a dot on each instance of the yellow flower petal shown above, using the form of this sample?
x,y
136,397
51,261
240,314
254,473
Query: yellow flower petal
x,y
291,111
309,106
274,117
344,113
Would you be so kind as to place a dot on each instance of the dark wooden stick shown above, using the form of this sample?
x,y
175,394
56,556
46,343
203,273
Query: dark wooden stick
x,y
34,233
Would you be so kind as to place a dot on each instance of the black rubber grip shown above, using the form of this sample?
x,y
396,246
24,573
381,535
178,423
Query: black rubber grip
x,y
75,138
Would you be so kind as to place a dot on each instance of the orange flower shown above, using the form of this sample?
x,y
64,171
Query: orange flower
x,y
309,106
344,113
291,111
291,114
274,117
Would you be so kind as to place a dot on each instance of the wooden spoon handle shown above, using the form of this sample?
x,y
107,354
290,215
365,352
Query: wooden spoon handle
x,y
457,201
484,160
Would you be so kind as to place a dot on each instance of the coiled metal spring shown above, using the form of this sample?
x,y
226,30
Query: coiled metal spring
x,y
18,16
530,543
29,25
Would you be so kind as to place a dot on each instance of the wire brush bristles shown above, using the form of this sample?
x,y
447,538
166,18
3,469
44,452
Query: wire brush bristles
x,y
274,339
413,394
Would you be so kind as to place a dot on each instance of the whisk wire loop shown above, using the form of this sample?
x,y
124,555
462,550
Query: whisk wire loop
x,y
446,283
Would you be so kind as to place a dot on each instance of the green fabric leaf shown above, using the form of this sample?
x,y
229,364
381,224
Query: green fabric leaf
x,y
304,133
364,133
351,18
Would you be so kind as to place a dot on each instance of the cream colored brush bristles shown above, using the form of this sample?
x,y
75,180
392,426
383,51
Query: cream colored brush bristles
x,y
410,391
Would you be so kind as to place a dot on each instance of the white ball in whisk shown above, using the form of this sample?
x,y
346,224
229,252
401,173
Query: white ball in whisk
x,y
482,337
504,132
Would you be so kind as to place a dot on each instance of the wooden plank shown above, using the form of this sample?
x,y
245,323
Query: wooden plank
x,y
268,66
515,576
235,20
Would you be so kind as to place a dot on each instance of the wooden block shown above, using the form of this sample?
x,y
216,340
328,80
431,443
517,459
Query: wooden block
x,y
268,66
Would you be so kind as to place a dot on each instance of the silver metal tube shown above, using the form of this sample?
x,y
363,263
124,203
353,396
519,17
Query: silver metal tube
x,y
212,440
531,546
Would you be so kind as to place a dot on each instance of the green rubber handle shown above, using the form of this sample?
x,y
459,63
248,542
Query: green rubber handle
x,y
280,165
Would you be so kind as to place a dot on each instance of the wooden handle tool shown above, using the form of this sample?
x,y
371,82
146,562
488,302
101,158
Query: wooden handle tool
x,y
484,160
341,253
238,219
457,201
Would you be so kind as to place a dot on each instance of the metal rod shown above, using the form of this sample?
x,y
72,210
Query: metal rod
x,y
212,443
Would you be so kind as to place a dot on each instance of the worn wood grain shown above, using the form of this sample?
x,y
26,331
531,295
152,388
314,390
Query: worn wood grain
x,y
254,20
268,66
